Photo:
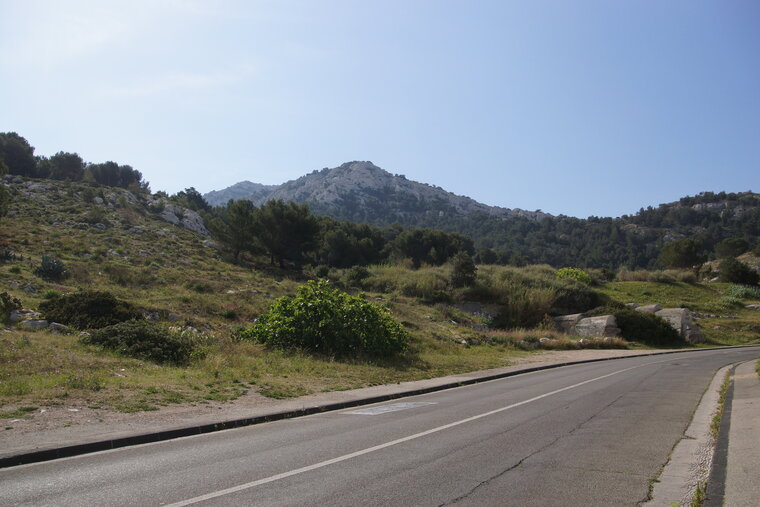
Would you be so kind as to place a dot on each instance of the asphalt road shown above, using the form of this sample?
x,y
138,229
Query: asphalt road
x,y
592,434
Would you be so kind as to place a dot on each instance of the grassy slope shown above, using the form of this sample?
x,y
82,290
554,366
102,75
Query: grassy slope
x,y
723,322
171,271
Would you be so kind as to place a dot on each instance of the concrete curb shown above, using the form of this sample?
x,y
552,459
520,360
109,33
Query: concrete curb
x,y
689,461
158,436
716,482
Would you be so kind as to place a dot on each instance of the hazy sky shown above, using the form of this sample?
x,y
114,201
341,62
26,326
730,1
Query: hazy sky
x,y
573,107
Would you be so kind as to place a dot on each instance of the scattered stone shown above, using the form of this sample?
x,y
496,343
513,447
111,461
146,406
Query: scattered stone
x,y
210,244
57,327
100,226
632,305
33,325
98,200
143,253
14,285
30,288
649,308
172,317
753,307
14,316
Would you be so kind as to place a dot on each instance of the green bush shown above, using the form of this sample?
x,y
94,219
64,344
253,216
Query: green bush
x,y
735,271
574,274
640,327
355,275
51,294
8,304
51,268
322,319
143,340
88,310
743,292
463,270
576,297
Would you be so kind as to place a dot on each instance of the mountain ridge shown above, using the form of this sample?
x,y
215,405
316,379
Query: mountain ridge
x,y
362,191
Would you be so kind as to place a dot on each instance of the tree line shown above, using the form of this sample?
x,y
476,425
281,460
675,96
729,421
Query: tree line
x,y
290,234
18,158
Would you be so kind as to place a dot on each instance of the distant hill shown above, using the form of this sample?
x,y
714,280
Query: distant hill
x,y
363,192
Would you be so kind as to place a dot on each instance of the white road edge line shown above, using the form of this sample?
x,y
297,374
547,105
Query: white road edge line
x,y
368,450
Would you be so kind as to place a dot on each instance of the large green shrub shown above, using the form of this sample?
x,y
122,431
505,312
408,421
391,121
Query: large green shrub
x,y
143,339
575,297
88,309
322,319
735,271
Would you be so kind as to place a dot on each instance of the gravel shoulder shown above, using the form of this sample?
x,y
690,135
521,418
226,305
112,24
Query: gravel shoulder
x,y
63,425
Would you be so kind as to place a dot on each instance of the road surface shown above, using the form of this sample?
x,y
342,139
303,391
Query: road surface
x,y
590,434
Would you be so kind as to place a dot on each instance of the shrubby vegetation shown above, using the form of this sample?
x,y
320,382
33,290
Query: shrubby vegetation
x,y
143,340
88,310
743,292
322,319
641,327
51,268
735,271
8,304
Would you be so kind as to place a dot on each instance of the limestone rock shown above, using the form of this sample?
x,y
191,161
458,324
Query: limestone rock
x,y
682,321
193,221
604,325
567,323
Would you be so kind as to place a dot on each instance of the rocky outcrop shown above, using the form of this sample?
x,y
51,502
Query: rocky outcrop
x,y
182,217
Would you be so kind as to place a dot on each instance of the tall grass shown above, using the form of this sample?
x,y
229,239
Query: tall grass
x,y
666,276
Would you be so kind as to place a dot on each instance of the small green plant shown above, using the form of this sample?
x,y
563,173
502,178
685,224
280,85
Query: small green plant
x,y
574,274
320,318
51,294
8,304
51,268
143,340
15,269
88,309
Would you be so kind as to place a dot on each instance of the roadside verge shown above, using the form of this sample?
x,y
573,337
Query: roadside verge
x,y
328,402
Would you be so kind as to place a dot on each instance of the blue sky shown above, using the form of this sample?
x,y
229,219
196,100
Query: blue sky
x,y
573,107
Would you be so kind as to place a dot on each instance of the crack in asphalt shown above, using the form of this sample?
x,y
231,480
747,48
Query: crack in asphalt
x,y
537,451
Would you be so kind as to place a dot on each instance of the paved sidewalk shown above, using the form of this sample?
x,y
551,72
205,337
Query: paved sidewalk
x,y
743,467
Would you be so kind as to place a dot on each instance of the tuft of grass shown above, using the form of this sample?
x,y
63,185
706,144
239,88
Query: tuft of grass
x,y
17,413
